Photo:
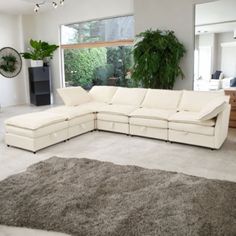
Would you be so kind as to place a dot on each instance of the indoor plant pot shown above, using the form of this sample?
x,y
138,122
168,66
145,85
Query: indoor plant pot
x,y
36,63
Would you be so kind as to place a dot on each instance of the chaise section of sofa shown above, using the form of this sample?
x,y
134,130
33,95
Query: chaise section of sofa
x,y
36,131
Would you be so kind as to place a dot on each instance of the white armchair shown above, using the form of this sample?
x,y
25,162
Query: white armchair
x,y
216,81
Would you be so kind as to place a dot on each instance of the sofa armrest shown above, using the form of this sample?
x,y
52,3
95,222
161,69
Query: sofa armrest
x,y
222,126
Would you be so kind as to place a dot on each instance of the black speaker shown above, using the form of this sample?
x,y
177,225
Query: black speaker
x,y
40,86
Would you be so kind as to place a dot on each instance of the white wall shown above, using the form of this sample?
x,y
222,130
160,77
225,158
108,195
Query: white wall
x,y
219,11
227,54
47,25
12,91
222,57
27,32
171,15
210,40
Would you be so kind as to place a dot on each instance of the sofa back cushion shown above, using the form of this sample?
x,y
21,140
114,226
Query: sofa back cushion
x,y
194,101
129,96
103,93
162,99
212,108
74,96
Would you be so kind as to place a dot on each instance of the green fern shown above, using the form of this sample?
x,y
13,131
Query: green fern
x,y
157,56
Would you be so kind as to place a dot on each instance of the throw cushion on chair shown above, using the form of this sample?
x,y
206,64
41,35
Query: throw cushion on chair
x,y
217,74
74,96
212,109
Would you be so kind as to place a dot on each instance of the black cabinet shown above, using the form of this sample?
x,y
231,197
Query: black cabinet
x,y
40,91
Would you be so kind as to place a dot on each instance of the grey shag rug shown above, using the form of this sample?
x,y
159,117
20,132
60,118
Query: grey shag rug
x,y
84,197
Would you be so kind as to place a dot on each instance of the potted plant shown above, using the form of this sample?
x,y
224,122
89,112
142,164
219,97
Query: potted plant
x,y
39,53
157,59
9,63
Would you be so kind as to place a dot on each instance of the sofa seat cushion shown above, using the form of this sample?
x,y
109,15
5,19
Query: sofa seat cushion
x,y
190,118
103,93
92,106
192,128
43,131
82,119
148,113
162,99
113,118
36,120
154,123
117,109
69,112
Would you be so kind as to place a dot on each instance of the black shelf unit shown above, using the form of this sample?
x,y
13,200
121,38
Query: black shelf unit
x,y
40,86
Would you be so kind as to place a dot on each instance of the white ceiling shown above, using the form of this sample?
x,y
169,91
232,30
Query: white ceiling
x,y
21,6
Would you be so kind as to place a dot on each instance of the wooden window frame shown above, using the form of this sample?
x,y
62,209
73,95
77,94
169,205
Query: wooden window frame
x,y
116,43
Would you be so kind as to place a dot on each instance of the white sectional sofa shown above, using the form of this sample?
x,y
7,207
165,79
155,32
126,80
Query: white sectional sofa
x,y
197,118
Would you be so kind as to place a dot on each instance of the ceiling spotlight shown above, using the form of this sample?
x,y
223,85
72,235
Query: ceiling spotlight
x,y
36,8
54,4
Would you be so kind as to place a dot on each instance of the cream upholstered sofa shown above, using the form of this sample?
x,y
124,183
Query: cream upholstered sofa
x,y
197,118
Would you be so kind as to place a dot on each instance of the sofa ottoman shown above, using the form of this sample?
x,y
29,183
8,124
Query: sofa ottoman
x,y
36,131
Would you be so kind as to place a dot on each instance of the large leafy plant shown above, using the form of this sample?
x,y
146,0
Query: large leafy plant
x,y
157,57
40,50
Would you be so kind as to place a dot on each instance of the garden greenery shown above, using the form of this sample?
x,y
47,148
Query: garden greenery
x,y
81,64
94,66
157,59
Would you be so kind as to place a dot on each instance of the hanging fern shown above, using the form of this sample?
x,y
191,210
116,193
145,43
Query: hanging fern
x,y
156,59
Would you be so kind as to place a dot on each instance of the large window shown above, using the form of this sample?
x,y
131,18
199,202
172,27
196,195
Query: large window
x,y
98,52
106,30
